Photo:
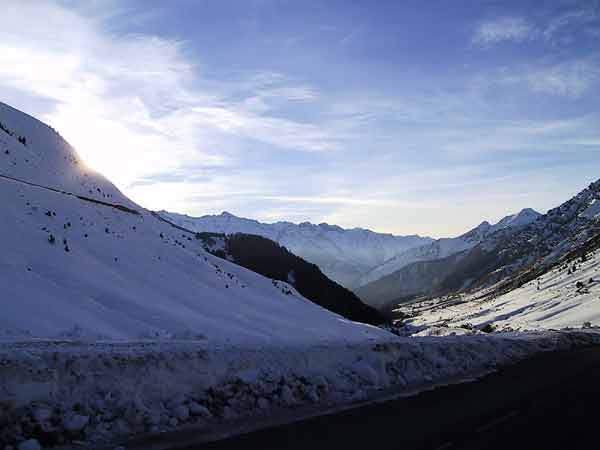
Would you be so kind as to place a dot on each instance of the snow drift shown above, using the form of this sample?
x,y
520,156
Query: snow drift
x,y
59,392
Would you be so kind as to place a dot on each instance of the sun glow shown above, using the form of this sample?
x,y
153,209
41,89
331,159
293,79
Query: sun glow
x,y
109,147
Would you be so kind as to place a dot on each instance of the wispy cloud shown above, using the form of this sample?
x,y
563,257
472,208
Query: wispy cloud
x,y
516,29
372,200
571,78
560,28
141,97
353,137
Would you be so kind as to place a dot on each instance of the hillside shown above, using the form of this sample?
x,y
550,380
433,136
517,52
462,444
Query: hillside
x,y
263,256
413,280
344,255
566,295
79,259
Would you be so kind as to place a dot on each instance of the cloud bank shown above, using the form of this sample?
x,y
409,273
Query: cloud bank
x,y
515,29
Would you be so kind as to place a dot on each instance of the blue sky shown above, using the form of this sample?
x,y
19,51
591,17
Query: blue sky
x,y
401,117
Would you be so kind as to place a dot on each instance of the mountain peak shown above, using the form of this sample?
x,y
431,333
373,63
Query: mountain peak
x,y
523,217
528,212
329,227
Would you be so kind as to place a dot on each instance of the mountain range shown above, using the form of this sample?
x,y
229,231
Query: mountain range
x,y
444,247
384,270
353,257
502,255
344,255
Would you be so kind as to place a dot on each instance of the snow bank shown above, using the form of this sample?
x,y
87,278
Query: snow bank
x,y
60,392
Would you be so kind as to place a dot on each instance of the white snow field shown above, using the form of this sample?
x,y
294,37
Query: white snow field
x,y
113,322
554,300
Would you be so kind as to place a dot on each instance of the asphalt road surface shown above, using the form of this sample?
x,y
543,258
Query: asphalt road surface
x,y
551,401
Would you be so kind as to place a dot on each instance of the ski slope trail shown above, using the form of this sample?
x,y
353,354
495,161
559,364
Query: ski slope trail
x,y
80,197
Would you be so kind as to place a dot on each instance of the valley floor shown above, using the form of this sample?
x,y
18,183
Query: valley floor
x,y
566,296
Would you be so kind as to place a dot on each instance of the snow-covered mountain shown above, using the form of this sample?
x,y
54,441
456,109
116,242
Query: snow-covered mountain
x,y
80,259
345,255
509,255
523,217
444,247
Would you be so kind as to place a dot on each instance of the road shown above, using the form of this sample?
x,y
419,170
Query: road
x,y
551,401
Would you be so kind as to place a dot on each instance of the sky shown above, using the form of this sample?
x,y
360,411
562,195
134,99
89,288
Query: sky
x,y
406,117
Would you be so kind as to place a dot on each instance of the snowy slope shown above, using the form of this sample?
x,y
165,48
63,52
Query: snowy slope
x,y
560,298
71,266
592,212
48,160
523,217
345,255
444,247
266,257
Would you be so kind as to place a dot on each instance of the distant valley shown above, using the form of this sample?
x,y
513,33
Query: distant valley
x,y
356,258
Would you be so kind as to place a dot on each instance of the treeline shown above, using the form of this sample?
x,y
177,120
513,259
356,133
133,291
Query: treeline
x,y
21,139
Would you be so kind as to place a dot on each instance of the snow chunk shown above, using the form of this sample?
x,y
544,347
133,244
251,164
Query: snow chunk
x,y
196,409
75,422
31,444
